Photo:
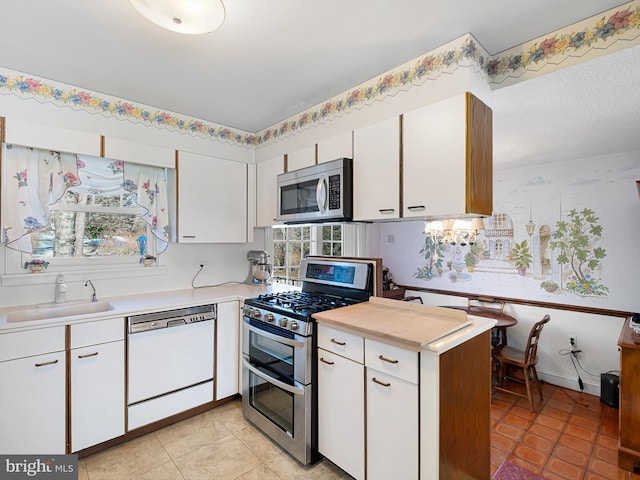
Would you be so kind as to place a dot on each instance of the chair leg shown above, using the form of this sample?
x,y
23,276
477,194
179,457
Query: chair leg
x,y
528,383
535,375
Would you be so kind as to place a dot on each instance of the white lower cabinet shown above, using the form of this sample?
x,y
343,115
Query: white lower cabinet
x,y
97,394
32,392
97,378
341,412
392,427
32,405
227,349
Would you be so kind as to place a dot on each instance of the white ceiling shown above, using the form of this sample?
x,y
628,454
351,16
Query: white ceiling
x,y
272,59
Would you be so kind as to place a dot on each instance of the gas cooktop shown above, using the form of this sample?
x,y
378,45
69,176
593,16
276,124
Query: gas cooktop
x,y
299,304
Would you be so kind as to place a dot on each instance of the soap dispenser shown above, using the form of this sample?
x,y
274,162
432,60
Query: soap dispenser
x,y
61,289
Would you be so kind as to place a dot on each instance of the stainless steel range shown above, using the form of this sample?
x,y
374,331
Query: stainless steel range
x,y
278,346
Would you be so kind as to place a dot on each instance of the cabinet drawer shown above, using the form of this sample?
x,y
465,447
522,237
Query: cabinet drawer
x,y
93,333
33,342
338,341
391,360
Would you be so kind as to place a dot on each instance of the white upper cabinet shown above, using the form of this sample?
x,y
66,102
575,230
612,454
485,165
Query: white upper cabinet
x,y
47,137
267,190
301,158
212,199
139,153
447,159
336,147
376,171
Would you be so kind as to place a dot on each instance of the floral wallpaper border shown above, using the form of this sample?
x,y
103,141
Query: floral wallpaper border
x,y
596,34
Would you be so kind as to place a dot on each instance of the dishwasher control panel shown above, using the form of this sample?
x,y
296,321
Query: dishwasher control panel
x,y
170,318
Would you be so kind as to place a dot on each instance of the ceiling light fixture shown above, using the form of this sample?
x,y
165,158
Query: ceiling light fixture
x,y
192,17
454,231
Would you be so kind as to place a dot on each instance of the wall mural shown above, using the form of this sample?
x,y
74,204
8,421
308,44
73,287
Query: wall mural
x,y
560,233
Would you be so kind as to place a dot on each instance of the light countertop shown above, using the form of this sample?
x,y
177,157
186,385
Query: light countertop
x,y
143,303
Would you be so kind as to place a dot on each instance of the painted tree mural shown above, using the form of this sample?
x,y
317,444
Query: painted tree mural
x,y
575,240
433,254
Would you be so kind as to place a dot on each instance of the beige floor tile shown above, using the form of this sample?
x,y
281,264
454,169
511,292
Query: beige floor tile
x,y
231,416
226,458
180,438
128,460
82,470
261,472
168,471
261,445
286,468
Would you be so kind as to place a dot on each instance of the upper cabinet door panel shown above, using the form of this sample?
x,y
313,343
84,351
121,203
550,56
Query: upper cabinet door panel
x,y
267,190
301,158
336,147
212,199
376,171
139,153
47,137
447,158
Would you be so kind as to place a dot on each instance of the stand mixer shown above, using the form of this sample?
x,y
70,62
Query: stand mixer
x,y
260,269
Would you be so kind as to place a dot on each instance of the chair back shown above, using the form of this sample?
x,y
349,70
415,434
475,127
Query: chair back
x,y
531,352
488,303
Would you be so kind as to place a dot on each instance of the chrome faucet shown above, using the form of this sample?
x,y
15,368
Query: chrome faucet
x,y
61,289
94,298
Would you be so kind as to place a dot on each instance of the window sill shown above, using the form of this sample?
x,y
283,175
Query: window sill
x,y
82,274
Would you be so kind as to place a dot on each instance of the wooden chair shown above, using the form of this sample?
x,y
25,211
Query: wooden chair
x,y
506,356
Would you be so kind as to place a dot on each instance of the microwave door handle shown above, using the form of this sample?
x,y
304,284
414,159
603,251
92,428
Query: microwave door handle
x,y
321,194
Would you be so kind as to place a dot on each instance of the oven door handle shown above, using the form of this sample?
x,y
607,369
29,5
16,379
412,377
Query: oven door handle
x,y
271,336
270,379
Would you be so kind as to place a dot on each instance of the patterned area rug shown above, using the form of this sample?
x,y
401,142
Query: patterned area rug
x,y
511,471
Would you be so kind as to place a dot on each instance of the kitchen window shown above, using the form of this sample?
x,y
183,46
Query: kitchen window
x,y
290,244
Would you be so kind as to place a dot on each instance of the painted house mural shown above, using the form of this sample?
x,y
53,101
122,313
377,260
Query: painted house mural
x,y
547,239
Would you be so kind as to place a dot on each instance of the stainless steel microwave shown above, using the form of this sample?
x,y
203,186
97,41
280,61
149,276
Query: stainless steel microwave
x,y
320,193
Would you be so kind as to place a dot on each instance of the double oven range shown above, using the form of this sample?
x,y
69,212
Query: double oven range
x,y
279,343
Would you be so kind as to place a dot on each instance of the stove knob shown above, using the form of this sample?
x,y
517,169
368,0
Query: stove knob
x,y
256,314
294,325
269,317
283,322
248,311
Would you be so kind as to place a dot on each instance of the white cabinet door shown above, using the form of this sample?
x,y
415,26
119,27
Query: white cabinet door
x,y
376,171
336,147
212,200
341,412
392,427
267,190
227,349
32,405
97,394
305,157
447,158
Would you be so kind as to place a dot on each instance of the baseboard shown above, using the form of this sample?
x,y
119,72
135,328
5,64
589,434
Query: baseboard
x,y
590,386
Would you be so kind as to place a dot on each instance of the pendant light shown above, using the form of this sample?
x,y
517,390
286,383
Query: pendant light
x,y
192,17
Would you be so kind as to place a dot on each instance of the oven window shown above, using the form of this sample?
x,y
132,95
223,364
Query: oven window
x,y
272,355
299,198
274,403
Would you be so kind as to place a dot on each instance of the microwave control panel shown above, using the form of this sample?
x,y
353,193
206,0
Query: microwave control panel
x,y
334,192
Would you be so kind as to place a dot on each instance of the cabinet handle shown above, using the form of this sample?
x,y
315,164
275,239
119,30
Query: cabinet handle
x,y
326,361
88,355
385,359
416,207
342,344
387,210
188,236
375,380
43,364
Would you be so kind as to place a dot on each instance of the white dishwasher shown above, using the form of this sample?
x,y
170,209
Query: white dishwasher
x,y
170,358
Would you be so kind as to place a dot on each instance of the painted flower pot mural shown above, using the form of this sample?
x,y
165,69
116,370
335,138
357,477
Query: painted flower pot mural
x,y
521,256
470,261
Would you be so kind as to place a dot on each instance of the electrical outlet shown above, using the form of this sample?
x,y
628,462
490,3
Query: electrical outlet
x,y
573,342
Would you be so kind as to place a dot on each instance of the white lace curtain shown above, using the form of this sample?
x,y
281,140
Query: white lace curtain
x,y
35,179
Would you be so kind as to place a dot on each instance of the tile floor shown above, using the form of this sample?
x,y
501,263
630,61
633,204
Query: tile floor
x,y
565,440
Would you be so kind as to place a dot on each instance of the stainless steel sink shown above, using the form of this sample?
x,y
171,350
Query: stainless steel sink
x,y
58,310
